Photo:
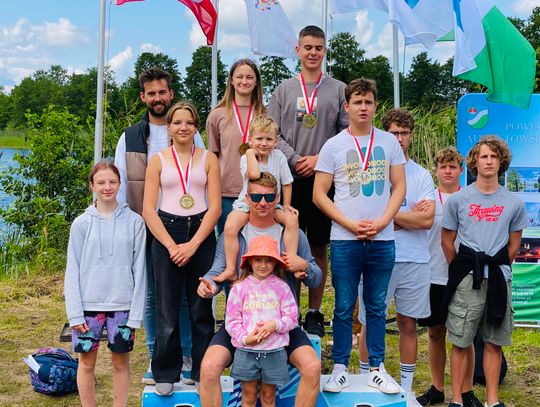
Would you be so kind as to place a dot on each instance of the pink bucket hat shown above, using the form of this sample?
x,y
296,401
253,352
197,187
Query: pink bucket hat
x,y
263,246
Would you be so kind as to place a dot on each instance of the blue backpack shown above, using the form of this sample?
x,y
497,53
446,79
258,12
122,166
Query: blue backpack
x,y
57,372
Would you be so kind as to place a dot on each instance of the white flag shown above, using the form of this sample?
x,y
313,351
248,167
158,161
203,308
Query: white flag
x,y
420,21
270,30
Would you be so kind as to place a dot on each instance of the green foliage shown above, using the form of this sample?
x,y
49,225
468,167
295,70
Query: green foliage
x,y
273,71
49,186
198,81
345,57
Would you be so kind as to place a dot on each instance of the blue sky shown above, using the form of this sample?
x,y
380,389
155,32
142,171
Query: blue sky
x,y
35,34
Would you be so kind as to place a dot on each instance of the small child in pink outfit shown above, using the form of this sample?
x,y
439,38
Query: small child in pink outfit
x,y
261,311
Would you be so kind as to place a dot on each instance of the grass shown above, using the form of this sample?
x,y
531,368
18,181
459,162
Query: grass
x,y
13,139
32,315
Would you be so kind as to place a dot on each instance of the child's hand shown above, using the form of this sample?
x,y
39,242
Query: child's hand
x,y
290,209
265,330
255,153
82,328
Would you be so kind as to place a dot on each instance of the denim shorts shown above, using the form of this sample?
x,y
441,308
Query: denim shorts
x,y
270,367
120,336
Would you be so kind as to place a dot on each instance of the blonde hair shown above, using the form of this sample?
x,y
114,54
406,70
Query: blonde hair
x,y
447,155
184,106
263,124
265,180
495,144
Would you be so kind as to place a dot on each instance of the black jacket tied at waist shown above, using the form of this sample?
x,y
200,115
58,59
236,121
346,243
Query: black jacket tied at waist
x,y
466,260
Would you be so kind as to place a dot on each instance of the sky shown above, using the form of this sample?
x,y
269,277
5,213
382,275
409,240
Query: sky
x,y
35,34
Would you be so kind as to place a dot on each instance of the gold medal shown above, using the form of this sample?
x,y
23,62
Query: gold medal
x,y
187,201
365,177
309,120
243,148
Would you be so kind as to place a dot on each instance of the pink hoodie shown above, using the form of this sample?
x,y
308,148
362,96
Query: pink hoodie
x,y
251,301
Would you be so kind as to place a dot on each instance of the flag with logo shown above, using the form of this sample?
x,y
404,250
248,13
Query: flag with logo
x,y
492,52
270,31
420,21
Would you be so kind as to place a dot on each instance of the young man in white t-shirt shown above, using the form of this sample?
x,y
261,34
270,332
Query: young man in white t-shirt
x,y
362,163
448,169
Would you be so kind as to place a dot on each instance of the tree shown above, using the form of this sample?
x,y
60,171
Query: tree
x,y
35,93
5,108
453,88
378,68
49,184
422,84
198,81
273,72
345,58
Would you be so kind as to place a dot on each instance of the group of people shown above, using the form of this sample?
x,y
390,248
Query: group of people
x,y
279,185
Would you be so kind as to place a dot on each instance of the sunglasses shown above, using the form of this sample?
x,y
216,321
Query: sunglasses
x,y
267,197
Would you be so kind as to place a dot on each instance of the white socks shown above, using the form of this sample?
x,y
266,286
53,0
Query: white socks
x,y
364,367
407,375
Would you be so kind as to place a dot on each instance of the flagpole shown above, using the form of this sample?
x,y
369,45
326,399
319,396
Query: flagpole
x,y
98,128
325,28
213,101
395,64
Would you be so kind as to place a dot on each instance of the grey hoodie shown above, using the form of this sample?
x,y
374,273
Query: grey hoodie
x,y
106,265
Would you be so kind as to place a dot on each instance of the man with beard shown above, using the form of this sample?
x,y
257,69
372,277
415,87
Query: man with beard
x,y
134,150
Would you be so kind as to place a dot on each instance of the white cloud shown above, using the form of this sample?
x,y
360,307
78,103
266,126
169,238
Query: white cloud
x,y
525,7
118,62
364,28
147,47
60,33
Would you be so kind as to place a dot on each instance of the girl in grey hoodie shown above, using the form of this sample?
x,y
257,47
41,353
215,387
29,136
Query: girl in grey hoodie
x,y
105,282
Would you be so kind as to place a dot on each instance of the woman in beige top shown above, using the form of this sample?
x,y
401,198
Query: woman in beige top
x,y
227,128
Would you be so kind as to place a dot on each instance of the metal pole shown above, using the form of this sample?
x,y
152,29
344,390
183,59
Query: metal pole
x,y
395,64
213,101
98,131
325,28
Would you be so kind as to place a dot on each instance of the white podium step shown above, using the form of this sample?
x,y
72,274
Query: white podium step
x,y
358,394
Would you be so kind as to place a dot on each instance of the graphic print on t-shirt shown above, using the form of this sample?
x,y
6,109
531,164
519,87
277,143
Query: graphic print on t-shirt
x,y
376,172
489,214
301,108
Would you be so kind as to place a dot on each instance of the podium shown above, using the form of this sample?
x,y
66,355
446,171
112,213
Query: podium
x,y
358,394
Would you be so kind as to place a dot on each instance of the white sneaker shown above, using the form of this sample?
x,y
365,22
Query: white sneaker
x,y
382,382
148,378
410,398
337,382
187,365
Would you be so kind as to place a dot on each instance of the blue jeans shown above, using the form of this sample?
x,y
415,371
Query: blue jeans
x,y
350,259
150,313
226,208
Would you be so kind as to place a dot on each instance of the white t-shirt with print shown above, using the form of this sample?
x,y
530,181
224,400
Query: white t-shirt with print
x,y
412,245
354,197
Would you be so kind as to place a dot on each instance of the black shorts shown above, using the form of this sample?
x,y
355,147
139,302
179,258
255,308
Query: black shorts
x,y
436,292
297,338
313,222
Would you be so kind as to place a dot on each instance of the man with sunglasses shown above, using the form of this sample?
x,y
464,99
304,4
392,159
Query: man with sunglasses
x,y
262,198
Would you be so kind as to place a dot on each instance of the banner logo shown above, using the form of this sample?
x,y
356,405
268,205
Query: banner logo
x,y
477,116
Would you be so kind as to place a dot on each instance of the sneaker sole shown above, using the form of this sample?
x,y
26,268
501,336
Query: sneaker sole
x,y
147,380
385,392
188,381
335,390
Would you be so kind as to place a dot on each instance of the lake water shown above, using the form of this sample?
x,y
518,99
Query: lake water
x,y
6,161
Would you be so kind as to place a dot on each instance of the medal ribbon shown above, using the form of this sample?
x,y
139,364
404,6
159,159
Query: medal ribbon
x,y
244,131
310,103
183,179
364,161
440,196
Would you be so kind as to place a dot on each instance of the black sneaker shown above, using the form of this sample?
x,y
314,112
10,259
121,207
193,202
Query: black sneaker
x,y
454,405
314,323
470,400
431,396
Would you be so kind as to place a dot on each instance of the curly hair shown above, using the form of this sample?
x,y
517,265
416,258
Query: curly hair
x,y
495,144
447,155
401,117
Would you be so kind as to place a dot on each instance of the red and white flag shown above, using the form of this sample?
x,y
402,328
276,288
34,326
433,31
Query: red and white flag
x,y
206,15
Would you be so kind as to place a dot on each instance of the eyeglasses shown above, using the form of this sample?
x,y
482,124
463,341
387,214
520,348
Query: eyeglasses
x,y
267,197
405,133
